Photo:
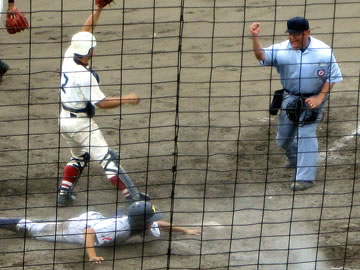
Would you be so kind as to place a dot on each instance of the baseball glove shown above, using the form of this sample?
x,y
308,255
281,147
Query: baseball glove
x,y
102,3
16,21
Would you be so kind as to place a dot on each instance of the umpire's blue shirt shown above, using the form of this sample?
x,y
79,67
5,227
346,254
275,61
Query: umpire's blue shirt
x,y
304,71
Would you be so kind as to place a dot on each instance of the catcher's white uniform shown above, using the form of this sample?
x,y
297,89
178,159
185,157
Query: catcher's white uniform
x,y
78,87
107,229
79,94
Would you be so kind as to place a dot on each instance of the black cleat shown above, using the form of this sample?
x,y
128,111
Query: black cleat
x,y
140,196
3,68
65,198
144,197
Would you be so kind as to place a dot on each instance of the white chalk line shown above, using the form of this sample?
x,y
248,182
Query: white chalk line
x,y
213,224
338,145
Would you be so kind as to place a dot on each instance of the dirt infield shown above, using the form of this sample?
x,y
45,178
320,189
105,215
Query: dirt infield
x,y
229,175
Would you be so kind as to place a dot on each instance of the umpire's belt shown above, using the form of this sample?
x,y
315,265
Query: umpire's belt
x,y
301,94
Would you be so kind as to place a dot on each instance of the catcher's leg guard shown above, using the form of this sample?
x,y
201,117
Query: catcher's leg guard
x,y
117,175
72,173
73,170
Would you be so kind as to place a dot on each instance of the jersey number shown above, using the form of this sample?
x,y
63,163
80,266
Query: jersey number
x,y
64,84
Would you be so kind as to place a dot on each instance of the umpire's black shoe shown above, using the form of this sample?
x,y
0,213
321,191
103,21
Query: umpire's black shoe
x,y
65,198
301,185
290,165
3,68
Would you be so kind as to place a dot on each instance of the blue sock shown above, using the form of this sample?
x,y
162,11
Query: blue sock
x,y
9,223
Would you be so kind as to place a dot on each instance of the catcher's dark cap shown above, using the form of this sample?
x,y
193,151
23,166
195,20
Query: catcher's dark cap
x,y
141,213
297,25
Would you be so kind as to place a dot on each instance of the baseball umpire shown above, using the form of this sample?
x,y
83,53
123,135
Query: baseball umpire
x,y
80,96
308,71
93,229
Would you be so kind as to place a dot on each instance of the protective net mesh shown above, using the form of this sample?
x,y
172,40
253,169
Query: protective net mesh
x,y
201,142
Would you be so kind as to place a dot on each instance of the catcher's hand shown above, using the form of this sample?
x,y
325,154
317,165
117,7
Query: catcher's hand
x,y
15,21
102,3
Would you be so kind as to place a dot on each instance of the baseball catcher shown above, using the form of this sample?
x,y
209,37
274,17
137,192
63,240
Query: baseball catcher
x,y
80,97
15,19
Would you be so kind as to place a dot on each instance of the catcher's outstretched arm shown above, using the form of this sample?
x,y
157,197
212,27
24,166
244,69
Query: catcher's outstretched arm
x,y
113,102
91,21
11,4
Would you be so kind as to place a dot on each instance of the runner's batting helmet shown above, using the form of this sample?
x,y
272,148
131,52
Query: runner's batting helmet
x,y
142,213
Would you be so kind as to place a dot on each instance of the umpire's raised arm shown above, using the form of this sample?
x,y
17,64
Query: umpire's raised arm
x,y
257,47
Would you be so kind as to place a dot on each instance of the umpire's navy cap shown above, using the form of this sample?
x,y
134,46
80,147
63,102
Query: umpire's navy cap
x,y
297,25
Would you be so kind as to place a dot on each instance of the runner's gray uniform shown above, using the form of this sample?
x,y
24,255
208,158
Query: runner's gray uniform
x,y
107,229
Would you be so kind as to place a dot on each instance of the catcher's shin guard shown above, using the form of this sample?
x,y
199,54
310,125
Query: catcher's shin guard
x,y
117,175
73,171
